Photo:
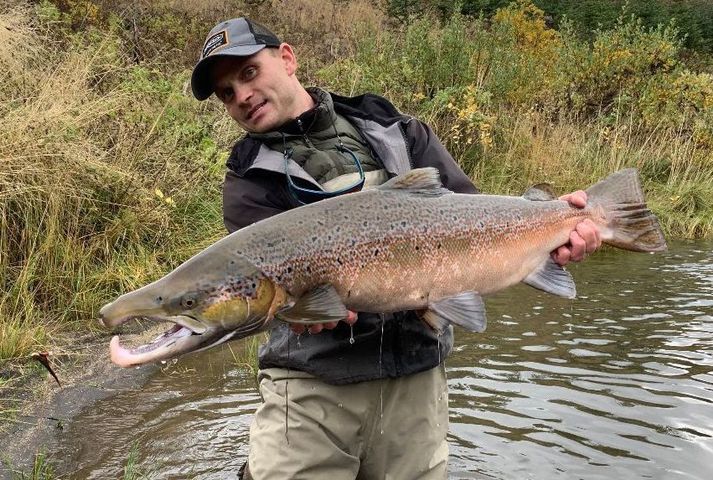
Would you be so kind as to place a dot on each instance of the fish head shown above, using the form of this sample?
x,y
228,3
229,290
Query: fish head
x,y
210,299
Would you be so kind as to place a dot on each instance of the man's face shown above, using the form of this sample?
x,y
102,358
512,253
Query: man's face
x,y
258,91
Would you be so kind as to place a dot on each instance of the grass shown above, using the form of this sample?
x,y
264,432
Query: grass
x,y
244,353
103,181
42,468
131,468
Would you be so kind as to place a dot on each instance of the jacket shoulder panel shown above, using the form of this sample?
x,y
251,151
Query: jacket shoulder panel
x,y
253,197
243,155
368,106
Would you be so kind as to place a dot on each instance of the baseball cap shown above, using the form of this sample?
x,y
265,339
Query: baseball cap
x,y
239,37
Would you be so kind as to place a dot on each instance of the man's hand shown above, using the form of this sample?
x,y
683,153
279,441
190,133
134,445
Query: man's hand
x,y
318,327
583,240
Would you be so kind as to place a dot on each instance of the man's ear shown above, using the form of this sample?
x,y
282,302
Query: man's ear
x,y
287,55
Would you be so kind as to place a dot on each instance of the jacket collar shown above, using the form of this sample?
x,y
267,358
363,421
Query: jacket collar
x,y
317,119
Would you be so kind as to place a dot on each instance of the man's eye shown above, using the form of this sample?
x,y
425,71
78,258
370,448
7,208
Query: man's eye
x,y
225,94
249,73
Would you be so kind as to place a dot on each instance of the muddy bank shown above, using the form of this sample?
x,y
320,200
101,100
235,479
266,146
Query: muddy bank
x,y
35,409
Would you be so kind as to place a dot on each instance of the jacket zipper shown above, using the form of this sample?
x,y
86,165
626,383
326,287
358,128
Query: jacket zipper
x,y
304,134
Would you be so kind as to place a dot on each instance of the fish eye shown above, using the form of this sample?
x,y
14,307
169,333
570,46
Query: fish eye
x,y
188,301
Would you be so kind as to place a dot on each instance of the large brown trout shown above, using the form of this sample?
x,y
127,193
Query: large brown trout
x,y
408,244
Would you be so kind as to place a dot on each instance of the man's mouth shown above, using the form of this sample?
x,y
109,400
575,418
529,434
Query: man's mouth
x,y
254,110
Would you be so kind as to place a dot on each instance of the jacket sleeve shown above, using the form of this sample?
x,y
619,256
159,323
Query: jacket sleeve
x,y
426,150
248,200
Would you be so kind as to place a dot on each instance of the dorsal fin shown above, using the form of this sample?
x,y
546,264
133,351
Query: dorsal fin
x,y
542,192
419,180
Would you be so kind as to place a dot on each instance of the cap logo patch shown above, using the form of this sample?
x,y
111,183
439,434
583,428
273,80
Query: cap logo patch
x,y
214,42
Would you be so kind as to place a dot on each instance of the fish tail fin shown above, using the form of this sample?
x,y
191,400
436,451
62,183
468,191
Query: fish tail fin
x,y
630,223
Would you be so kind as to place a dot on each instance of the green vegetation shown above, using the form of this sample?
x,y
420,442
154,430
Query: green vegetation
x,y
109,175
245,353
131,469
110,171
42,468
517,103
694,18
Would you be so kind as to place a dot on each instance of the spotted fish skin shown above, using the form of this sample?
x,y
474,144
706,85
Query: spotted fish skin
x,y
408,244
389,250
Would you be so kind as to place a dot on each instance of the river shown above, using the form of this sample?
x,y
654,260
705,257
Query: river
x,y
616,384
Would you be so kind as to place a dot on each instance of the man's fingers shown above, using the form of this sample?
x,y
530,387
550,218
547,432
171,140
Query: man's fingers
x,y
297,328
315,329
318,327
590,234
562,255
576,199
578,247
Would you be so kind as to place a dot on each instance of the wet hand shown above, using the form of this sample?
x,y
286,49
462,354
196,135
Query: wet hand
x,y
583,240
318,327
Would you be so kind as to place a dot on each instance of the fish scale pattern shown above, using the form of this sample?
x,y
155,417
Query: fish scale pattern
x,y
386,246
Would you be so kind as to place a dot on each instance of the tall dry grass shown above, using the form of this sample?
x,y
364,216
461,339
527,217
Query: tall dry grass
x,y
108,177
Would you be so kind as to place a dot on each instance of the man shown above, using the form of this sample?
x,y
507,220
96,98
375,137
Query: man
x,y
364,399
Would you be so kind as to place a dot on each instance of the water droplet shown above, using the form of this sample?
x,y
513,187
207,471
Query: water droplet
x,y
351,334
340,405
438,424
382,432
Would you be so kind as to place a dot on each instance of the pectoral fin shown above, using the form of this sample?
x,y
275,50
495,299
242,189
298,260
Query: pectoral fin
x,y
554,279
465,309
319,305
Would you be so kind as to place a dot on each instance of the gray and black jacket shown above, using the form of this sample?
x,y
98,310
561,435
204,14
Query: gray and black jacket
x,y
255,188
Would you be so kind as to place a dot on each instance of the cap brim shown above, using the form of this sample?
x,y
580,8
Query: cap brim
x,y
201,83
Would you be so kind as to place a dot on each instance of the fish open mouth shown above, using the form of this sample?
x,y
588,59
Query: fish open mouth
x,y
183,336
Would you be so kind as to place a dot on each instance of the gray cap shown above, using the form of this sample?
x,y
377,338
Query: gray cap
x,y
239,37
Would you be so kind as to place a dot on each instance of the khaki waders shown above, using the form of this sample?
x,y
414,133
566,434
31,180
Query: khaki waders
x,y
391,429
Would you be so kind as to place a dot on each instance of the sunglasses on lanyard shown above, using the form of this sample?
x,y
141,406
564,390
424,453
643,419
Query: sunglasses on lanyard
x,y
309,195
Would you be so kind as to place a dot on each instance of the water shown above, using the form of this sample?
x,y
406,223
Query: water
x,y
615,384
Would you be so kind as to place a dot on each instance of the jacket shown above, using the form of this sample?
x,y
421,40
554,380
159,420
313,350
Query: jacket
x,y
384,345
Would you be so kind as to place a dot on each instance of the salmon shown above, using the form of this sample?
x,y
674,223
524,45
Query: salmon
x,y
408,244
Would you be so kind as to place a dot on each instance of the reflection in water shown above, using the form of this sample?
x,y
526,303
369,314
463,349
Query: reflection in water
x,y
617,383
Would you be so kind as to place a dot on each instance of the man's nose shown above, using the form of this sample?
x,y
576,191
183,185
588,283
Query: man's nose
x,y
242,93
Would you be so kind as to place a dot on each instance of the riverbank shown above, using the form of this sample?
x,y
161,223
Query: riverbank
x,y
35,408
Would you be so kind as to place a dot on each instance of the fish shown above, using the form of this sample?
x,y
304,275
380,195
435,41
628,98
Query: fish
x,y
408,244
